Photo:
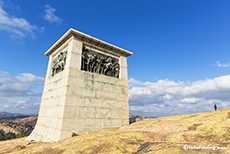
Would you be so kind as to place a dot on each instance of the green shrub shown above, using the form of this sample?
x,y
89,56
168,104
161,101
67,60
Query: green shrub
x,y
74,134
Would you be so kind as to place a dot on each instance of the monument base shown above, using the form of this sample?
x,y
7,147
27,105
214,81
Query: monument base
x,y
80,102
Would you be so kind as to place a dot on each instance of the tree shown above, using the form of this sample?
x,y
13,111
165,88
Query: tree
x,y
9,136
2,135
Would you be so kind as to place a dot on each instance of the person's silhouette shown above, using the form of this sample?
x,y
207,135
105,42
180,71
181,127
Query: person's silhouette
x,y
215,107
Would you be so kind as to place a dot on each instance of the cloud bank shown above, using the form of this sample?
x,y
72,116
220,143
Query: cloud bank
x,y
21,93
50,16
165,97
22,85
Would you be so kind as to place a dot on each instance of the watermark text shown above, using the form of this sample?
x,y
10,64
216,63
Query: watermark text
x,y
194,147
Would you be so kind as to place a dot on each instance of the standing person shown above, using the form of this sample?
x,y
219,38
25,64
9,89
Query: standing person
x,y
215,107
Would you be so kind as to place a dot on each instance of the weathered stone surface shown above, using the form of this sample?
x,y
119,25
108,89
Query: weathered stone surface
x,y
111,104
108,123
92,102
102,113
125,121
82,99
85,112
119,113
69,112
75,101
94,123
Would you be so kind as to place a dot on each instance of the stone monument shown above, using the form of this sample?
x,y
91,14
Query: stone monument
x,y
86,88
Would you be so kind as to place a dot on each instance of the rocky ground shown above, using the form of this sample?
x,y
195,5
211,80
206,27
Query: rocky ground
x,y
159,135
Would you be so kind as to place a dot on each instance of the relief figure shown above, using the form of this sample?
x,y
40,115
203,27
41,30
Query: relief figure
x,y
98,63
59,63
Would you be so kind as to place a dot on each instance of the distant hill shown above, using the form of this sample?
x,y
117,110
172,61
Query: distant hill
x,y
11,128
7,115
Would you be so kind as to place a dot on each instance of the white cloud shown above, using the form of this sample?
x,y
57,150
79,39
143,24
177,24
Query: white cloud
x,y
222,65
138,108
50,16
29,78
23,85
18,28
21,102
5,106
21,93
165,97
190,100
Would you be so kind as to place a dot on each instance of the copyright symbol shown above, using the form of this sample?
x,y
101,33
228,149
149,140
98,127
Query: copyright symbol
x,y
185,146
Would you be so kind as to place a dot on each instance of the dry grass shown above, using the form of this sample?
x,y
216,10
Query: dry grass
x,y
160,135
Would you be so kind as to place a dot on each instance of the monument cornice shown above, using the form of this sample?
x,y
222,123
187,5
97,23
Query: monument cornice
x,y
86,39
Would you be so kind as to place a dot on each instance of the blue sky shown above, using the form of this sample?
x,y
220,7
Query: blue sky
x,y
181,50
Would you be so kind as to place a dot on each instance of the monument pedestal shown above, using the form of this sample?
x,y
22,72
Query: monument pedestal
x,y
86,88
